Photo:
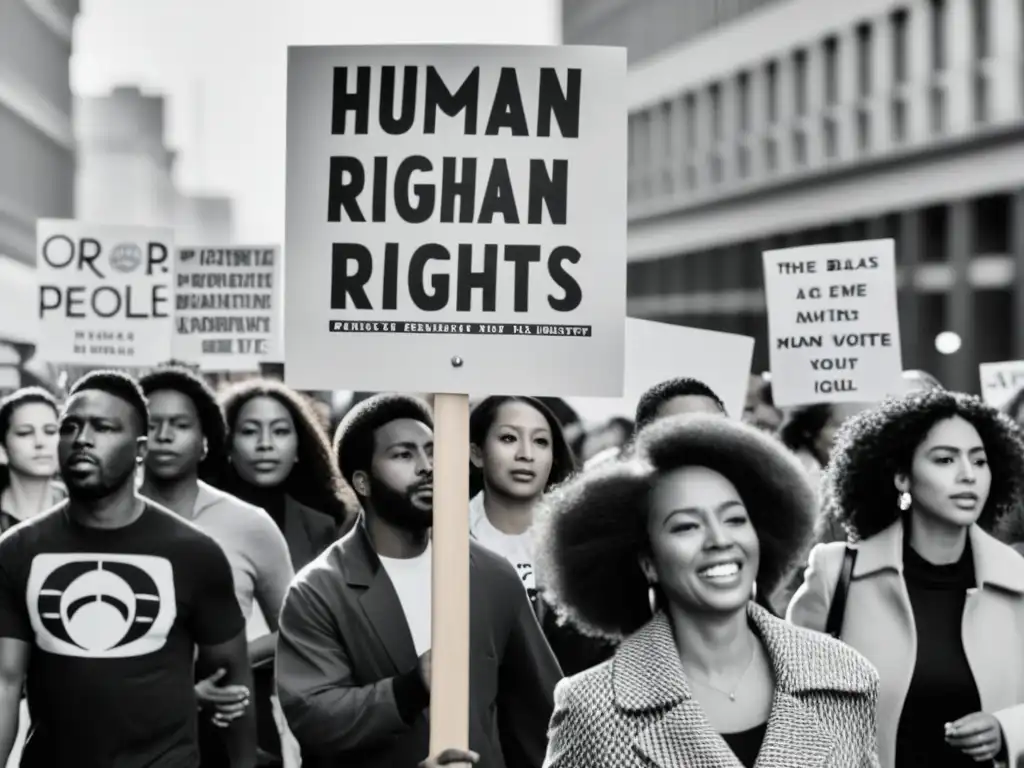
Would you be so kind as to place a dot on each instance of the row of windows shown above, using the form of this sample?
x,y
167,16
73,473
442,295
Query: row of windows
x,y
706,136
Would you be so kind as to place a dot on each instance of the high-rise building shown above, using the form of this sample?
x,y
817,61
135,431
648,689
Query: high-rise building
x,y
37,157
798,122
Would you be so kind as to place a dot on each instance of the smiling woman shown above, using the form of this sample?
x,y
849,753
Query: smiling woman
x,y
707,519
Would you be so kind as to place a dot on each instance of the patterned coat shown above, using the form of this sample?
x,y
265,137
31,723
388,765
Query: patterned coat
x,y
636,710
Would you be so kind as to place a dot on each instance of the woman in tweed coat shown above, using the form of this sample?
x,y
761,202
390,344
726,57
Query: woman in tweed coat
x,y
664,551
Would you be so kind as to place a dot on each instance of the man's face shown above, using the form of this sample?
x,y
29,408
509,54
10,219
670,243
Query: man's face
x,y
402,474
100,440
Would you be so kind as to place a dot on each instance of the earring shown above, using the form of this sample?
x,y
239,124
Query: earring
x,y
652,598
753,592
905,501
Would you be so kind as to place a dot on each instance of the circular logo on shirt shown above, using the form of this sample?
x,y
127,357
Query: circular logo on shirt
x,y
101,606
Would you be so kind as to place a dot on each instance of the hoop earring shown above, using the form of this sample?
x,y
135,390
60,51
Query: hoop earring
x,y
905,501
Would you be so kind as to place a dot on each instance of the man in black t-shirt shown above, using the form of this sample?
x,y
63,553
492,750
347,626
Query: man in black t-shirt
x,y
103,600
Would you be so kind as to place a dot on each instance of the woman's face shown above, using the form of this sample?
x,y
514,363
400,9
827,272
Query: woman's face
x,y
264,443
705,552
950,477
518,453
31,441
175,446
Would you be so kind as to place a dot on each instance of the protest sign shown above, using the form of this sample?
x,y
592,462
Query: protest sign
x,y
474,241
1001,381
833,330
474,235
228,313
105,294
657,352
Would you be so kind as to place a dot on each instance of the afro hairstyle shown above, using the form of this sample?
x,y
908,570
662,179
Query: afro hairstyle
x,y
592,530
659,394
353,440
874,446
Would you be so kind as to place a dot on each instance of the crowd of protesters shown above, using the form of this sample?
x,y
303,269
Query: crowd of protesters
x,y
243,578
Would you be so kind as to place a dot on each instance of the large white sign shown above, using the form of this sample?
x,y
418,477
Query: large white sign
x,y
1001,381
228,312
833,328
456,219
657,352
105,294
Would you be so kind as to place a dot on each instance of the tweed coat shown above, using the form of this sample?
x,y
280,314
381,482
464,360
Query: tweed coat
x,y
636,710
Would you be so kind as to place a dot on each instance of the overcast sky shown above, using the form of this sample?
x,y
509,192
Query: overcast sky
x,y
222,65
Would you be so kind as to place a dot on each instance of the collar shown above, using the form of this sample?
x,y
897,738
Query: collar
x,y
995,564
803,662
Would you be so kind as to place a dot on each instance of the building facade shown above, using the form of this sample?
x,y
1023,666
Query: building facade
x,y
126,172
813,121
37,157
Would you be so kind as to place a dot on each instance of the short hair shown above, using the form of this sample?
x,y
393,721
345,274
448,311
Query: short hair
x,y
314,480
18,398
353,440
874,446
211,418
481,419
120,385
659,394
803,424
592,530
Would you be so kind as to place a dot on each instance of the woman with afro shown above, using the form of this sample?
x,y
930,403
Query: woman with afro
x,y
925,594
672,551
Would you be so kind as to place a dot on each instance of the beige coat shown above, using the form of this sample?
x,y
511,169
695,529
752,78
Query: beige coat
x,y
636,709
879,622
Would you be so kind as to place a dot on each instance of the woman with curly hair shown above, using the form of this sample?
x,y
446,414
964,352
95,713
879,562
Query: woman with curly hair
x,y
930,598
279,458
672,551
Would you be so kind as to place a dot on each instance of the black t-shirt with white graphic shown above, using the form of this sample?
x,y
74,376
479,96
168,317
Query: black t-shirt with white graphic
x,y
113,617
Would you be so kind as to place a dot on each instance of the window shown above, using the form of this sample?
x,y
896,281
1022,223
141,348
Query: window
x,y
982,12
643,153
831,72
937,108
863,130
772,84
799,147
715,97
900,59
717,168
667,128
691,121
979,81
800,82
831,138
864,39
899,120
743,161
771,155
938,35
743,101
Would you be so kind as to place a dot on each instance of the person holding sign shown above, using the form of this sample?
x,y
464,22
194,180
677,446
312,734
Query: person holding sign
x,y
672,551
934,602
354,655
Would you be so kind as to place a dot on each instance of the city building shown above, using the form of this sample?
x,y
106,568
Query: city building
x,y
796,122
37,159
126,172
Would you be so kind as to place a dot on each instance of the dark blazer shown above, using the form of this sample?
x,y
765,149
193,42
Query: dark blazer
x,y
344,639
307,531
636,711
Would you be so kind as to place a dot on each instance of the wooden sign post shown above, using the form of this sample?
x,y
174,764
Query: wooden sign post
x,y
456,224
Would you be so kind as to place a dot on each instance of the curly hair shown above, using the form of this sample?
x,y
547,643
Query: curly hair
x,y
482,419
803,425
592,530
314,481
18,398
874,446
353,440
211,418
661,393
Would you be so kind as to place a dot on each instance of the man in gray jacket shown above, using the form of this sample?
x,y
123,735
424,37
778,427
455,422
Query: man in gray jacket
x,y
353,664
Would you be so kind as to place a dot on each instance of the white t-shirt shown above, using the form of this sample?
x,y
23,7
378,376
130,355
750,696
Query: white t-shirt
x,y
411,578
516,548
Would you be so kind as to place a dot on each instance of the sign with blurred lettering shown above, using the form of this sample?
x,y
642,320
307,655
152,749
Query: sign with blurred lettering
x,y
228,312
456,219
105,294
1000,382
833,329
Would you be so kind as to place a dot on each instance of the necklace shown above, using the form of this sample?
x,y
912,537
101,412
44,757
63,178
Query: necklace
x,y
739,681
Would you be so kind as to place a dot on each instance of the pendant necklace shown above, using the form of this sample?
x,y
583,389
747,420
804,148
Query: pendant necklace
x,y
731,694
